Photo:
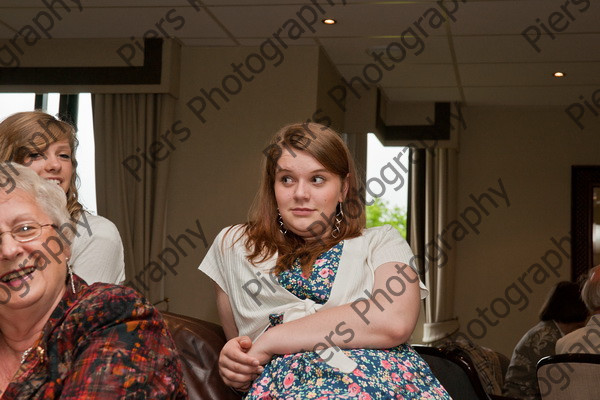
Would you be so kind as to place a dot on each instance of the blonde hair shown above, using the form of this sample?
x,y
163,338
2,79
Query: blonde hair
x,y
29,132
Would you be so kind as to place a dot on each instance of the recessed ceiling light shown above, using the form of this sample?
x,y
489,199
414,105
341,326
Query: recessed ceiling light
x,y
329,21
559,74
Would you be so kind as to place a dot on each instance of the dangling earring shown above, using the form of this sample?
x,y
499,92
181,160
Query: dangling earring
x,y
70,271
338,220
280,221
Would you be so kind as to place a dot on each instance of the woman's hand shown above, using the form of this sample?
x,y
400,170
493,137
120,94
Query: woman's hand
x,y
259,351
238,368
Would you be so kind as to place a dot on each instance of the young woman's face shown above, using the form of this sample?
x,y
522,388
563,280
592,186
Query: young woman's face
x,y
307,194
53,163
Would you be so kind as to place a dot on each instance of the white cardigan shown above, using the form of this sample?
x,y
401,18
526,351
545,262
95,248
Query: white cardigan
x,y
254,292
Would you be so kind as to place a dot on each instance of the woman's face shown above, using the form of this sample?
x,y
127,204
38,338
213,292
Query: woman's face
x,y
32,274
53,163
307,194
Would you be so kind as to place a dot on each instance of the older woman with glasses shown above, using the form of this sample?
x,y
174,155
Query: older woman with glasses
x,y
59,337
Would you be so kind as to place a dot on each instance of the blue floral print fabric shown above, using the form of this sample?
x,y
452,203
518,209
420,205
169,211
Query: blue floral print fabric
x,y
397,373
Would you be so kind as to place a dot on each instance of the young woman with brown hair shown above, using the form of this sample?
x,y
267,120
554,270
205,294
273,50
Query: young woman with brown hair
x,y
312,303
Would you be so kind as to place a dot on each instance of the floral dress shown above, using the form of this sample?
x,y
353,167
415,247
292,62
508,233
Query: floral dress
x,y
396,373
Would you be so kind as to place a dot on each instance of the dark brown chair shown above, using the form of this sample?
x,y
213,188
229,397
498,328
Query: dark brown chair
x,y
456,372
199,344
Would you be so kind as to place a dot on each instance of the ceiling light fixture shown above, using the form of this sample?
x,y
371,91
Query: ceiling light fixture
x,y
329,21
559,74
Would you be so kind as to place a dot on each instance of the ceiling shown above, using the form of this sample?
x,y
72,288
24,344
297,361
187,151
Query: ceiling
x,y
482,57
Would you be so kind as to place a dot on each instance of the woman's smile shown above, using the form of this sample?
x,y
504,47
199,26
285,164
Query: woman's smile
x,y
16,277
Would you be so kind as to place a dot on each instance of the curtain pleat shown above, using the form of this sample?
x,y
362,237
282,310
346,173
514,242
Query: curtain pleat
x,y
433,207
131,181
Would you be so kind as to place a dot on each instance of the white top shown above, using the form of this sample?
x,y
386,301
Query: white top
x,y
582,340
97,250
254,292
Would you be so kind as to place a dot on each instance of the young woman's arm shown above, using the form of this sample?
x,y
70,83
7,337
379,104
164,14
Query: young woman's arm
x,y
225,313
384,318
236,367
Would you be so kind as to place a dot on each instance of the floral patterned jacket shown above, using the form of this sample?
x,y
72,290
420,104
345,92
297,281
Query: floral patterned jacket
x,y
521,378
103,342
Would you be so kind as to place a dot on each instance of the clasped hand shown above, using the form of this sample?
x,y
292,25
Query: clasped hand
x,y
240,362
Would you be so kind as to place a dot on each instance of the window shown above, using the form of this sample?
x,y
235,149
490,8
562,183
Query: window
x,y
387,184
11,103
86,168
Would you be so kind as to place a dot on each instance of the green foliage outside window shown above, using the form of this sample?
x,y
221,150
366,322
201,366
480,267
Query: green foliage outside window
x,y
382,213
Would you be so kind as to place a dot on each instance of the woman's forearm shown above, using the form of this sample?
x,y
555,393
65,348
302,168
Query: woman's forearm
x,y
385,319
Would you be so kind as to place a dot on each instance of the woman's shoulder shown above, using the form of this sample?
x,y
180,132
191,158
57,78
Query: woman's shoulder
x,y
94,228
103,304
103,293
97,224
378,229
541,330
231,234
381,232
385,244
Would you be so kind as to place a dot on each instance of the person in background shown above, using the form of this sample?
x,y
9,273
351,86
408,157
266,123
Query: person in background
x,y
312,332
586,339
562,312
486,361
47,145
59,337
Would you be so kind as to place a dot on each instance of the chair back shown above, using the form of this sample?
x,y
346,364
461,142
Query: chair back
x,y
569,376
455,371
199,344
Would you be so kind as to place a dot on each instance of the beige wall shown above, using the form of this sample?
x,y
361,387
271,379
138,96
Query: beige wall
x,y
327,79
531,150
214,177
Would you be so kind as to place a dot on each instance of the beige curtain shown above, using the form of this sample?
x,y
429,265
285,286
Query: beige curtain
x,y
131,188
433,202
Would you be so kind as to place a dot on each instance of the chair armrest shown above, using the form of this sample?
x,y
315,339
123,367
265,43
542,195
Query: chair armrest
x,y
199,344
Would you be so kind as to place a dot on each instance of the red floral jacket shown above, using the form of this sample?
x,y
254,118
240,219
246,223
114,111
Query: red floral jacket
x,y
104,342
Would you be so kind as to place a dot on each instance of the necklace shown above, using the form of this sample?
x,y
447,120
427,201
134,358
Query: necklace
x,y
25,354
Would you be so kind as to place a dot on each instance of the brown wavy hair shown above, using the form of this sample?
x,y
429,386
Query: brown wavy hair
x,y
29,132
263,237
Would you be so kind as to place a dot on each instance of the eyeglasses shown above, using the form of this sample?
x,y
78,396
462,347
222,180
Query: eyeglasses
x,y
26,232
